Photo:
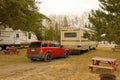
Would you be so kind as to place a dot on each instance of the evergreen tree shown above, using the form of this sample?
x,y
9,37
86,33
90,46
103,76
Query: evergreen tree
x,y
50,33
106,20
57,33
21,14
65,22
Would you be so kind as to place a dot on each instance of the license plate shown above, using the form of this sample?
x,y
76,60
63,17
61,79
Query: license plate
x,y
32,50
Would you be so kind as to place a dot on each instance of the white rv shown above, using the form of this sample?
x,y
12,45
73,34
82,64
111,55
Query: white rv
x,y
72,38
10,37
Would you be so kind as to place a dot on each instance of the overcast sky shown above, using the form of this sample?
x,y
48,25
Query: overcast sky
x,y
67,7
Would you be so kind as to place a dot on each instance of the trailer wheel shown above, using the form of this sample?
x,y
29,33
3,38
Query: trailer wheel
x,y
7,47
0,48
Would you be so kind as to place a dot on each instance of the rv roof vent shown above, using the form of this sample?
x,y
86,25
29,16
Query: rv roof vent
x,y
19,30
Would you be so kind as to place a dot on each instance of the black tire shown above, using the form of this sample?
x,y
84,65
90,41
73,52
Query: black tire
x,y
1,48
48,57
7,47
66,54
33,59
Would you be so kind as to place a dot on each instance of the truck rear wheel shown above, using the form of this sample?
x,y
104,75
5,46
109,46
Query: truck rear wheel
x,y
66,54
47,57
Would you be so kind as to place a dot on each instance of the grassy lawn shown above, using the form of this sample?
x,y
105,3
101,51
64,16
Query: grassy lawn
x,y
83,61
73,68
13,58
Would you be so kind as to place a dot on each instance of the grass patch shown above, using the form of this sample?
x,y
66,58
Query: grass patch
x,y
13,58
73,68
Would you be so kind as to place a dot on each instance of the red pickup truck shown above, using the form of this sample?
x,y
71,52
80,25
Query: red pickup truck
x,y
46,50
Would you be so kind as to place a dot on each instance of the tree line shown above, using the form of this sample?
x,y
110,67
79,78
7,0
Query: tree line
x,y
21,14
25,15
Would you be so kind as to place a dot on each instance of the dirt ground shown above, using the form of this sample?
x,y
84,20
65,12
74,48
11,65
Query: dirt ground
x,y
75,67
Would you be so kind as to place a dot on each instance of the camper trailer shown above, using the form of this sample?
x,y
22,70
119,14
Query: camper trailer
x,y
10,37
73,38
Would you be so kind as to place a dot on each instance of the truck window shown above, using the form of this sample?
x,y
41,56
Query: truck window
x,y
52,44
35,45
57,44
70,34
44,44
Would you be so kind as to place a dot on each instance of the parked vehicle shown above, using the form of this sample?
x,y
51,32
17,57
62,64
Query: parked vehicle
x,y
46,50
75,40
10,37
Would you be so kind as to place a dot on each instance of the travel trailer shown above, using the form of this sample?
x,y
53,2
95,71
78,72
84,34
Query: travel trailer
x,y
73,38
10,37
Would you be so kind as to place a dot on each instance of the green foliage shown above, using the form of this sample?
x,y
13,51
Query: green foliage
x,y
52,33
21,14
65,22
57,33
106,20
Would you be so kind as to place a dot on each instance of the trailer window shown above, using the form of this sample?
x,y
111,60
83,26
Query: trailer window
x,y
17,35
86,35
72,34
29,36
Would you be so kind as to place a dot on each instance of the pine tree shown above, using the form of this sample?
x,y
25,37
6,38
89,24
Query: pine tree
x,y
106,20
65,22
21,14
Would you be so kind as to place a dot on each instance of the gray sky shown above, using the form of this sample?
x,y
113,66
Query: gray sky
x,y
67,7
